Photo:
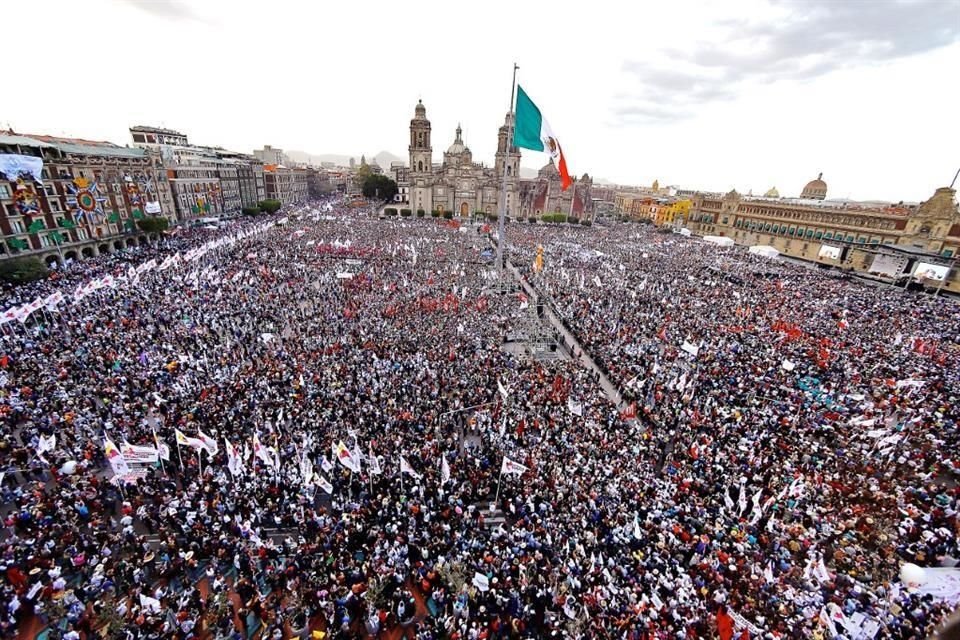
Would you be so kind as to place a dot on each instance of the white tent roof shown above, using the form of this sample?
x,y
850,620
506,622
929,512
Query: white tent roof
x,y
764,250
720,241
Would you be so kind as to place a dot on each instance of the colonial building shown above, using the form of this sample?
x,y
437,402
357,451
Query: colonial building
x,y
886,239
545,194
289,186
204,181
269,155
63,199
458,184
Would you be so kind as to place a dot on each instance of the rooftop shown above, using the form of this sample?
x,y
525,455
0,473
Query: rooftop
x,y
72,145
144,129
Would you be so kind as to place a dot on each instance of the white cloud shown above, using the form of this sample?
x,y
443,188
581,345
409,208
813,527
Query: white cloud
x,y
682,92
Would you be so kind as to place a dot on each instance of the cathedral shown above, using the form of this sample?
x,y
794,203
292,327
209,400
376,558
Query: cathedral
x,y
458,184
463,186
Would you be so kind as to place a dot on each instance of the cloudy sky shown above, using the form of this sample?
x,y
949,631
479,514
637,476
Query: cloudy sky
x,y
708,95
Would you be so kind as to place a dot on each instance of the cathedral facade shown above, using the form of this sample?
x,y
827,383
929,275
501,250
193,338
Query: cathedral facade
x,y
458,184
464,187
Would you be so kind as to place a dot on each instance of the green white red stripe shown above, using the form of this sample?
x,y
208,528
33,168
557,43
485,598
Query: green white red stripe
x,y
532,131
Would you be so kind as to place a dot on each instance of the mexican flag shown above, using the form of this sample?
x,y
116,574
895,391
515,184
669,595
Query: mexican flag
x,y
532,131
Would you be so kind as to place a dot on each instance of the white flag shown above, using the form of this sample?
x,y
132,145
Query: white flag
x,y
323,483
46,443
150,605
504,392
261,452
346,457
407,469
117,463
183,439
574,407
325,464
374,464
234,462
509,466
444,469
209,444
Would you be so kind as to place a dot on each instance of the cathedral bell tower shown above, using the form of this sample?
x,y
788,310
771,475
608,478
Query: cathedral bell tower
x,y
421,153
508,155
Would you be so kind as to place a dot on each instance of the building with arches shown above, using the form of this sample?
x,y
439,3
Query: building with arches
x,y
880,238
457,184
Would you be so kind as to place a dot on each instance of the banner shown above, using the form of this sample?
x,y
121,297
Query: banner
x,y
927,271
137,454
14,165
511,467
829,252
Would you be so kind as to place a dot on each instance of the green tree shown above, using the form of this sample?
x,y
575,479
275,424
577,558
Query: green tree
x,y
153,225
36,226
379,186
56,237
251,211
66,223
19,270
18,243
270,206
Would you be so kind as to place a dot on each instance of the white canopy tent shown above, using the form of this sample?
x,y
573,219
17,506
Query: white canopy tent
x,y
764,250
720,241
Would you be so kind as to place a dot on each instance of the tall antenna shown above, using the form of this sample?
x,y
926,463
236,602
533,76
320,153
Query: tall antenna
x,y
954,181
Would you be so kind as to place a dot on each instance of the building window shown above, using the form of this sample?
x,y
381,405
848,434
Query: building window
x,y
17,226
54,206
5,191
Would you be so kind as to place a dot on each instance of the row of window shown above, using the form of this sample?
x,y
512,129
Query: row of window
x,y
830,218
799,232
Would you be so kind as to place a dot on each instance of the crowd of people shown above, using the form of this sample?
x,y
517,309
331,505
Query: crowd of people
x,y
311,427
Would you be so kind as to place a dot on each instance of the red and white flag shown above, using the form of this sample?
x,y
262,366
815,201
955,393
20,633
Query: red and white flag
x,y
407,469
345,457
509,466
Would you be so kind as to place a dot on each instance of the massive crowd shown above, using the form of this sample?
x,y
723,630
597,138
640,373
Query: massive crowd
x,y
310,427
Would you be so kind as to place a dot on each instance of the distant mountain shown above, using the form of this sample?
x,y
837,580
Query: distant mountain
x,y
384,158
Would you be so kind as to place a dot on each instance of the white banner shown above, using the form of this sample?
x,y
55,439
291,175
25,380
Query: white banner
x,y
829,252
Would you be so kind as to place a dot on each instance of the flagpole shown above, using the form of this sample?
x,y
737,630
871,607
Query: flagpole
x,y
506,163
179,455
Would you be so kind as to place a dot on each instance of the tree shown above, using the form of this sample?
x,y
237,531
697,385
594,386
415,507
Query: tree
x,y
270,206
251,211
20,270
379,186
56,237
36,226
153,225
18,243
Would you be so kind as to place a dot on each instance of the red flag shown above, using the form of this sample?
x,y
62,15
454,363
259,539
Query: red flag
x,y
520,427
662,334
630,411
453,355
724,625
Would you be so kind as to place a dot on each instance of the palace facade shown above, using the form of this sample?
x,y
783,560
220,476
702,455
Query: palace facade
x,y
888,240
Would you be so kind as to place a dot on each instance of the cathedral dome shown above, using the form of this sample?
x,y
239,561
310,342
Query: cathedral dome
x,y
458,147
549,169
815,189
772,193
420,111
